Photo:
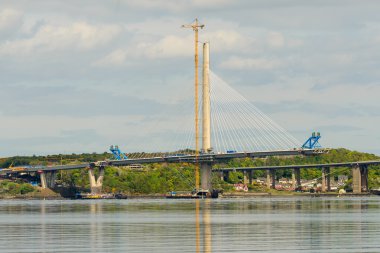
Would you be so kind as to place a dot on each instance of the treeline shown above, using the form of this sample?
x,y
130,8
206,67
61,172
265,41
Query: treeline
x,y
53,159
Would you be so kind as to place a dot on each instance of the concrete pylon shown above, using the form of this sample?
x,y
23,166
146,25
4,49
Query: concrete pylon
x,y
206,112
96,184
206,167
273,177
328,178
326,186
356,179
324,183
43,180
359,178
268,179
364,178
47,179
245,177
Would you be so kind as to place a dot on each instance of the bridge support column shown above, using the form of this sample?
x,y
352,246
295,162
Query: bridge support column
x,y
226,175
96,184
359,179
250,177
323,180
273,176
268,179
328,179
296,178
206,169
47,179
43,180
221,175
364,178
52,176
356,179
245,175
326,185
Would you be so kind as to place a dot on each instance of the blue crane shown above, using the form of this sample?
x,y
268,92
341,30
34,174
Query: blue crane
x,y
312,142
117,153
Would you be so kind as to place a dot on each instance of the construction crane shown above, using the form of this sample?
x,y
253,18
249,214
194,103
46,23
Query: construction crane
x,y
195,26
117,153
312,142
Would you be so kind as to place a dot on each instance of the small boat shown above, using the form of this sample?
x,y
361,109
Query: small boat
x,y
195,194
100,196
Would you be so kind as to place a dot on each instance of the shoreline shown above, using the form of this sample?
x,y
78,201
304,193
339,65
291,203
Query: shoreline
x,y
221,196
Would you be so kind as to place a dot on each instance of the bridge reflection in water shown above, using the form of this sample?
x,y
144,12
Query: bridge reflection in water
x,y
203,225
324,224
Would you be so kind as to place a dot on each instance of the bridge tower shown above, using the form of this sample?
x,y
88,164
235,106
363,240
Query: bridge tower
x,y
206,167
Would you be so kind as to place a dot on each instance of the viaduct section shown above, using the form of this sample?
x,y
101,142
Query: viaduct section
x,y
359,174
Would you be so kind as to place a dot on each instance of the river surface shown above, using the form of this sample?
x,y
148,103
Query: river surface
x,y
297,224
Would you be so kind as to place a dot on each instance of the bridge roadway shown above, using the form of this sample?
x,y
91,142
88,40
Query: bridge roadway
x,y
211,157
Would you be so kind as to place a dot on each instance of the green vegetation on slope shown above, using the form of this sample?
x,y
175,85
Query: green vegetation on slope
x,y
8,187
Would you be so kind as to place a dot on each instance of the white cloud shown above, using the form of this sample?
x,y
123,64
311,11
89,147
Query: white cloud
x,y
213,3
115,58
179,5
250,63
9,18
342,59
227,40
77,36
179,46
306,57
167,47
276,39
173,5
295,42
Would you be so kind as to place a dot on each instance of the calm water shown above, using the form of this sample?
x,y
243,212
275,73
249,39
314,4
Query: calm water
x,y
223,225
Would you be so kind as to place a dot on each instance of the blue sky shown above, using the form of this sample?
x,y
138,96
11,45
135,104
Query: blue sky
x,y
77,76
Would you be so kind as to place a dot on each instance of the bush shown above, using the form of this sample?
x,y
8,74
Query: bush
x,y
26,188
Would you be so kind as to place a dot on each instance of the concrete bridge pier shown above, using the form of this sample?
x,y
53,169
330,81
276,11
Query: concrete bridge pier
x,y
296,178
273,177
245,177
359,179
96,183
47,179
206,169
250,177
326,179
225,175
268,180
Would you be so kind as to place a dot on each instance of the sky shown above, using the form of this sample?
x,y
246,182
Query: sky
x,y
78,76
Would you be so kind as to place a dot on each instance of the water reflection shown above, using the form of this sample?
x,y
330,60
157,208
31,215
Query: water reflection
x,y
205,234
223,225
96,227
197,227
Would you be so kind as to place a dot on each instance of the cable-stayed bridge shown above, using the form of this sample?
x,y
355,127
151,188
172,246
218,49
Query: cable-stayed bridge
x,y
232,127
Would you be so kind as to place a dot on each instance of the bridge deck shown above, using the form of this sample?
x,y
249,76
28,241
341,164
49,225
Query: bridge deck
x,y
215,158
